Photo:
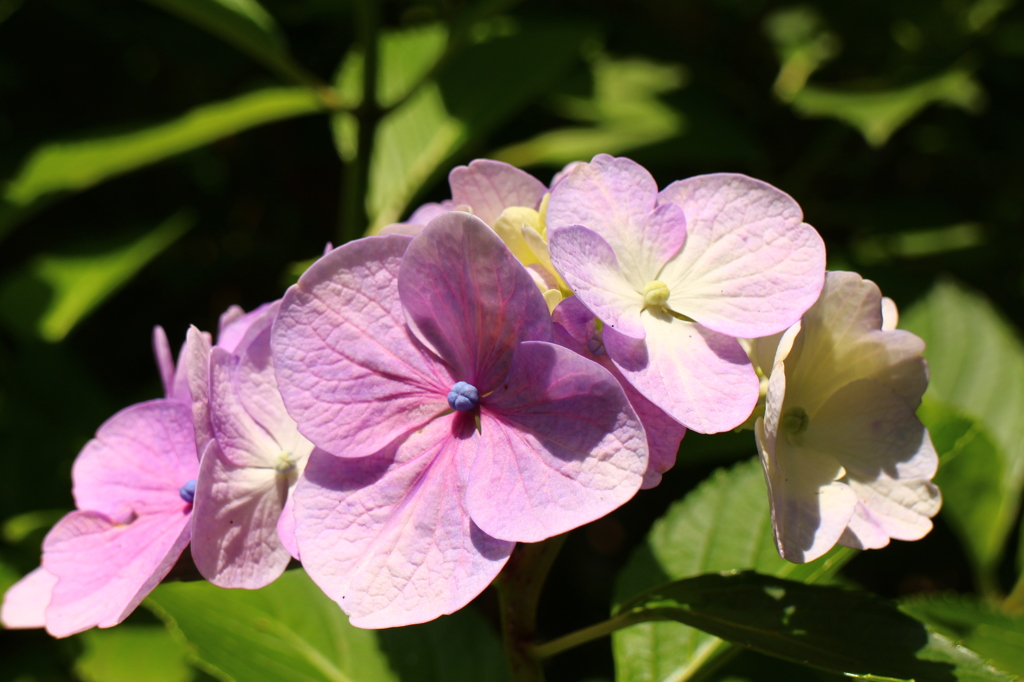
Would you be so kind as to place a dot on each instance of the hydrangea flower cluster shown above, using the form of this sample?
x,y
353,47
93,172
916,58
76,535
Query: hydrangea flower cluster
x,y
504,367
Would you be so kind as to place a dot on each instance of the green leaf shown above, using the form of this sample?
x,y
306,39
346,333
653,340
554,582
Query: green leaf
x,y
969,476
724,524
624,113
880,113
993,635
56,291
977,366
60,167
290,631
17,528
129,653
243,24
848,632
470,95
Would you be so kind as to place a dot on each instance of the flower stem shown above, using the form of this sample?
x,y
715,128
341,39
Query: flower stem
x,y
587,634
519,586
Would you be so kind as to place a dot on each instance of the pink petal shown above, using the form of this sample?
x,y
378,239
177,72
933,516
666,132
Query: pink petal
x,y
750,266
350,372
559,446
25,601
616,198
242,441
700,378
576,329
138,460
232,333
286,528
388,536
164,359
469,299
197,359
588,264
234,532
105,569
489,187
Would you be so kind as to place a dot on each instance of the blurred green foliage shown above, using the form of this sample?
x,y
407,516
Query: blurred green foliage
x,y
163,160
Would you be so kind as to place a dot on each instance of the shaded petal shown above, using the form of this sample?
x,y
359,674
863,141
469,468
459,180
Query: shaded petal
x,y
164,359
469,299
616,198
105,569
751,266
388,536
234,531
810,508
589,265
559,446
197,359
138,460
348,368
286,528
575,328
489,187
700,378
231,334
25,601
890,508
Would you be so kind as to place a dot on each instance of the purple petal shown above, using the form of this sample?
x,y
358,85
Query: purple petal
x,y
589,265
105,569
138,460
164,359
388,536
559,447
286,528
243,441
617,199
350,372
698,377
197,359
576,329
489,187
25,601
232,333
751,266
469,299
234,531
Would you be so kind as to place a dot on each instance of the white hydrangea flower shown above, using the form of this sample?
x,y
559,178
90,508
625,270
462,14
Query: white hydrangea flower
x,y
846,458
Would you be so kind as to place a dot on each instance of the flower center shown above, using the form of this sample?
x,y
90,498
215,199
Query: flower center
x,y
285,463
656,294
463,397
794,421
188,491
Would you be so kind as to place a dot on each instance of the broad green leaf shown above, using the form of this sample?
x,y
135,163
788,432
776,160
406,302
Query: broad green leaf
x,y
977,366
129,653
843,631
624,113
290,631
73,166
56,291
724,524
993,635
969,476
880,113
242,23
472,94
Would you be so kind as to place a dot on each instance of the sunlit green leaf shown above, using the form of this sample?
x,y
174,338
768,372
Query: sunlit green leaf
x,y
72,166
724,524
802,43
878,114
977,366
56,291
883,248
993,635
290,631
969,476
17,528
624,113
245,24
848,632
129,653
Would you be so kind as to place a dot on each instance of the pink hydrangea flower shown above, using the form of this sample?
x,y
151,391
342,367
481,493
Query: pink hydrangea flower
x,y
248,469
845,456
447,424
677,275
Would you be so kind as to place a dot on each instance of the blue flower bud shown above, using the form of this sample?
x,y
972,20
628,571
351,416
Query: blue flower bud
x,y
463,397
188,491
